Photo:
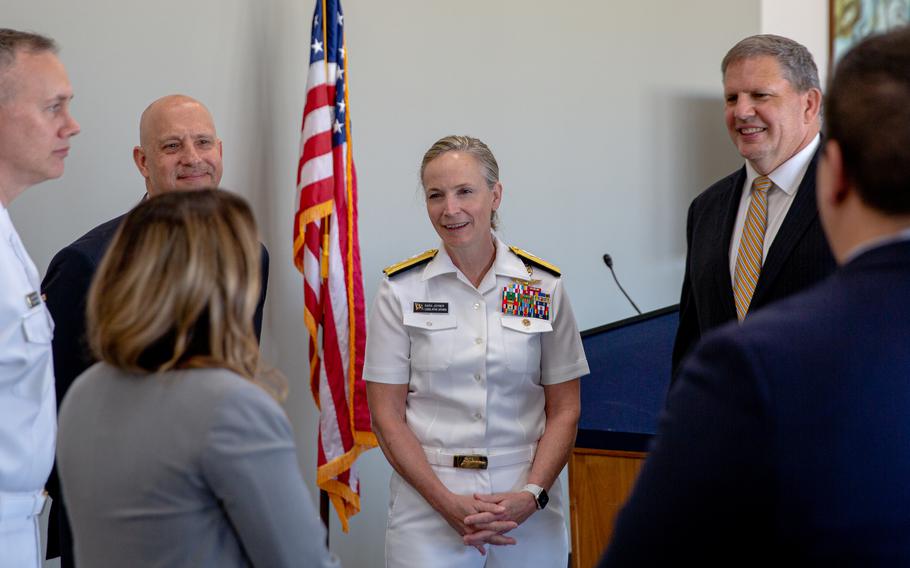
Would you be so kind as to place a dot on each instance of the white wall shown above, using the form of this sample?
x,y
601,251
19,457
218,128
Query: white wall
x,y
806,21
605,118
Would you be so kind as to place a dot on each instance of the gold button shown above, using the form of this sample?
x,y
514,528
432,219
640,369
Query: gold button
x,y
429,324
526,322
478,341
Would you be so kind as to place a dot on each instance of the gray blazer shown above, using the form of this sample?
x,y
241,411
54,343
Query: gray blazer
x,y
192,468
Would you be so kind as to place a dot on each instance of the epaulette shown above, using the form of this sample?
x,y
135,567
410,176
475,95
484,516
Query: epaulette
x,y
410,263
529,258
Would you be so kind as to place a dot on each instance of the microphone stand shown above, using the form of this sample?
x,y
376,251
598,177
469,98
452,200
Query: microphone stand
x,y
608,260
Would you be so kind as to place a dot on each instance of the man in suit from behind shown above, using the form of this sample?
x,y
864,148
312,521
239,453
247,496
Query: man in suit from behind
x,y
754,236
785,440
178,150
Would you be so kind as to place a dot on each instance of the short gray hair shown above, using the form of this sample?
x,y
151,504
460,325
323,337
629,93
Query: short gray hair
x,y
794,59
469,145
13,41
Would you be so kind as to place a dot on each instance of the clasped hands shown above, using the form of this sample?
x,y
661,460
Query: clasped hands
x,y
484,519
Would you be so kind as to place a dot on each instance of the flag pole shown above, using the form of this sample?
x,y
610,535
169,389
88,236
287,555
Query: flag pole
x,y
324,513
326,251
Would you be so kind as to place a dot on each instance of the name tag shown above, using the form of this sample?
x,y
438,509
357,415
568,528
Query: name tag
x,y
431,307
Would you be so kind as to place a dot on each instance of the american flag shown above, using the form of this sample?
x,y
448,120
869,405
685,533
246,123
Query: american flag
x,y
327,252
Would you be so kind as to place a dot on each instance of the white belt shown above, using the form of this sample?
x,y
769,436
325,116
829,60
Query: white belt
x,y
480,459
21,505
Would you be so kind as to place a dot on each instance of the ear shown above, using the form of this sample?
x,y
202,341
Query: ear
x,y
833,186
220,149
139,158
813,104
497,195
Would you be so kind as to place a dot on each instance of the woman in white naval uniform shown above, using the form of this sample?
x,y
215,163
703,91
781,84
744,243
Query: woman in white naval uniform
x,y
473,358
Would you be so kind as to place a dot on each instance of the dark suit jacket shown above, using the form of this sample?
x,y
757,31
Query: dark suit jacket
x,y
66,285
798,257
787,440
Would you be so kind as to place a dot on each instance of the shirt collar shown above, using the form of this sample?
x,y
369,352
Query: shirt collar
x,y
790,174
505,263
6,224
508,264
876,243
441,264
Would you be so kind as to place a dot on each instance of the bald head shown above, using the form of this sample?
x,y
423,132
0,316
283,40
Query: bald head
x,y
178,148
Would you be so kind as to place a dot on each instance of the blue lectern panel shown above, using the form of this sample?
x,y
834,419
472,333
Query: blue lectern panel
x,y
630,364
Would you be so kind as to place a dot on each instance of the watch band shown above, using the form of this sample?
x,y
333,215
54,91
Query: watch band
x,y
540,494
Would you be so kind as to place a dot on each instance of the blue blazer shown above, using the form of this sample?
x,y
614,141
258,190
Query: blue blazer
x,y
786,441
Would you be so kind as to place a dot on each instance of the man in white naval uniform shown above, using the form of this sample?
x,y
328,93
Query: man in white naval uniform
x,y
35,128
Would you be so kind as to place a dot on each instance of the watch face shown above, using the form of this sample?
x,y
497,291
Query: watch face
x,y
542,499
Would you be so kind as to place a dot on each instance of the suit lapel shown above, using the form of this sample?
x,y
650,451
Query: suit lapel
x,y
722,243
802,213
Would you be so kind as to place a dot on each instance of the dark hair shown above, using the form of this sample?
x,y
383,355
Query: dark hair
x,y
868,113
794,59
12,41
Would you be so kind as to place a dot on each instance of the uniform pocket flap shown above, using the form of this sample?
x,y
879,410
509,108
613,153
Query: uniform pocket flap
x,y
37,326
430,321
526,325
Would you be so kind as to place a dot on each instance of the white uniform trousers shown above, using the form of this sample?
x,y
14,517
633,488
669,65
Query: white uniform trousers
x,y
418,537
20,541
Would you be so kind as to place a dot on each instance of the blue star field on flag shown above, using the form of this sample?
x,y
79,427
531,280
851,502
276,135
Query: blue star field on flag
x,y
327,44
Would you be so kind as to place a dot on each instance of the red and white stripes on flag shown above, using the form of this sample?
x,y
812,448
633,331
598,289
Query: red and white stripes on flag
x,y
327,252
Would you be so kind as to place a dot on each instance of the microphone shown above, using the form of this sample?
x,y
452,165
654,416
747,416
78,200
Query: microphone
x,y
608,260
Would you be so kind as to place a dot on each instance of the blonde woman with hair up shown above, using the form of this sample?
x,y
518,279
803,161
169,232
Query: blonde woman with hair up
x,y
472,365
173,449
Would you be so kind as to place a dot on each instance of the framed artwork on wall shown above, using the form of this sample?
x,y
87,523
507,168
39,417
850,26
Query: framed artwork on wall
x,y
852,20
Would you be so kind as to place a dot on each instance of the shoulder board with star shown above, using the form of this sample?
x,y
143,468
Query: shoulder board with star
x,y
529,258
410,263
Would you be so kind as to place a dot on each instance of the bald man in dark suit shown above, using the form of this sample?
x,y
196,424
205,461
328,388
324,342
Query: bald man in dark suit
x,y
178,150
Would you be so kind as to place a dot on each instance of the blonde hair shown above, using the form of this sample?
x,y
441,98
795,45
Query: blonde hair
x,y
178,288
474,147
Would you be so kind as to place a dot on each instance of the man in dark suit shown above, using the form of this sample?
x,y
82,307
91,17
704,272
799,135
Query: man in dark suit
x,y
786,441
178,150
772,110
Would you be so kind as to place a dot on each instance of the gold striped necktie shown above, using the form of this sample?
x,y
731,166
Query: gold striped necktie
x,y
751,245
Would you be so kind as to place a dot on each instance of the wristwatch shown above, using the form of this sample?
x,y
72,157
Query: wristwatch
x,y
539,493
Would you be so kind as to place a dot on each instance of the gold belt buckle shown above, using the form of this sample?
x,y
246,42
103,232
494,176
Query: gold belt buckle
x,y
470,462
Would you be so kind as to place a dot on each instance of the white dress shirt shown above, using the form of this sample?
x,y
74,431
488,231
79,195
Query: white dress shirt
x,y
786,180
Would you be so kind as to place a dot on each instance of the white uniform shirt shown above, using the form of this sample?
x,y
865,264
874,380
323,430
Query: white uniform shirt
x,y
28,410
786,180
475,375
